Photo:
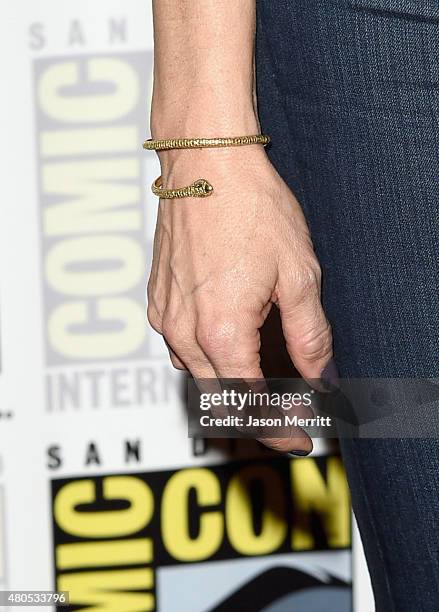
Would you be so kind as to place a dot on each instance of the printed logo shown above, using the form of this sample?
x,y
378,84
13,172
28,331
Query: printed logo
x,y
168,540
91,120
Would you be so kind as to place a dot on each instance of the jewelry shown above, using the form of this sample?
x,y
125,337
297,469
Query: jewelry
x,y
198,189
204,143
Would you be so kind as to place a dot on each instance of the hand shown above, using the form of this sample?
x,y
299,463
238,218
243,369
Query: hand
x,y
220,263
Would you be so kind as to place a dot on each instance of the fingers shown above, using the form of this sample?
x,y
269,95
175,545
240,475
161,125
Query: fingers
x,y
177,329
307,332
214,346
156,322
175,360
231,342
179,334
232,347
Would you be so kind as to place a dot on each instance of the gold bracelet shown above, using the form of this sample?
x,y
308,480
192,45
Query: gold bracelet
x,y
204,143
198,189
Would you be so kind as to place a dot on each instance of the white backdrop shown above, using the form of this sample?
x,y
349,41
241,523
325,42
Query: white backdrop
x,y
87,397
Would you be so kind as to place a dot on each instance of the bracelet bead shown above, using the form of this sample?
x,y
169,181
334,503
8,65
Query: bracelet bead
x,y
204,143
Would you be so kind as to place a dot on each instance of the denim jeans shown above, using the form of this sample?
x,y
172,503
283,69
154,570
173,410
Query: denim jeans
x,y
349,92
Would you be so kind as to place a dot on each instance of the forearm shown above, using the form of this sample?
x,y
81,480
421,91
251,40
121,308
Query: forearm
x,y
203,68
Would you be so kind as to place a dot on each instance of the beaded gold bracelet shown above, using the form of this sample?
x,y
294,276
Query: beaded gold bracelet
x,y
200,188
204,143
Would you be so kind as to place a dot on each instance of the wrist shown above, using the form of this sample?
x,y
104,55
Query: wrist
x,y
202,117
206,125
190,164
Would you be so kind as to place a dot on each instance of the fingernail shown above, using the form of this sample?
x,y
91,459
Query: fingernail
x,y
297,453
329,376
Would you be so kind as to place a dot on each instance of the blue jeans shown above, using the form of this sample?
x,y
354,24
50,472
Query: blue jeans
x,y
349,92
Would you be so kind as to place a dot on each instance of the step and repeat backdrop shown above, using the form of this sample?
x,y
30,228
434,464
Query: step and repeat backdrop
x,y
102,494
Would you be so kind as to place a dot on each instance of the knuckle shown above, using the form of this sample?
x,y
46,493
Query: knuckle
x,y
174,331
217,335
169,334
316,345
317,271
151,289
308,280
154,319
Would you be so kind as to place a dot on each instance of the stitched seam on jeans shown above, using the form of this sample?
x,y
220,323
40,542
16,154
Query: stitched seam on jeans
x,y
414,481
358,474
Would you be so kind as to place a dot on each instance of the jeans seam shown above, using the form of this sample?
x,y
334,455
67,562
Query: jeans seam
x,y
375,531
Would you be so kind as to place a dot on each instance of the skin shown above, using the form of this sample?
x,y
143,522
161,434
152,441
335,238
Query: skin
x,y
220,264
